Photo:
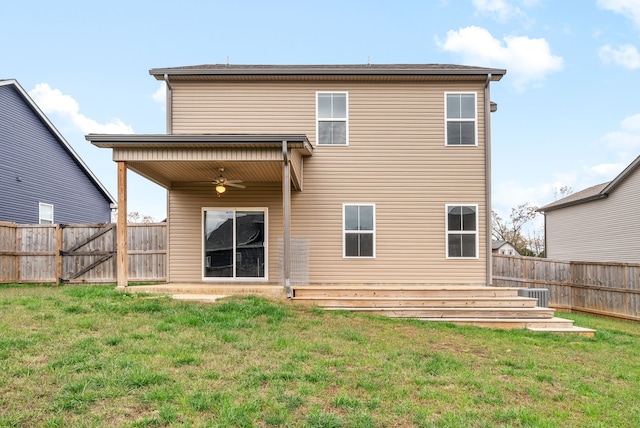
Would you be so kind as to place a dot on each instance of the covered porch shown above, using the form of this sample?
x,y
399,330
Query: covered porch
x,y
217,163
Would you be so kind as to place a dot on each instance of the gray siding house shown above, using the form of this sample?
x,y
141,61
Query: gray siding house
x,y
598,224
42,179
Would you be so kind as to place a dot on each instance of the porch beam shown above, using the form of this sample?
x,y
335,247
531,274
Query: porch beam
x,y
121,260
286,215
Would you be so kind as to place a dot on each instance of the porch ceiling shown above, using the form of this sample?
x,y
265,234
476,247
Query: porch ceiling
x,y
170,159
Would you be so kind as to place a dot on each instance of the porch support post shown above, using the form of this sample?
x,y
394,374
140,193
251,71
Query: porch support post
x,y
286,215
121,260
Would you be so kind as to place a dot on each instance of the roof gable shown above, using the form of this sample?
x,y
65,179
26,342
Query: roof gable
x,y
592,193
63,142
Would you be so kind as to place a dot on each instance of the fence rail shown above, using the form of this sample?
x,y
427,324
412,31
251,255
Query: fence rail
x,y
609,289
80,253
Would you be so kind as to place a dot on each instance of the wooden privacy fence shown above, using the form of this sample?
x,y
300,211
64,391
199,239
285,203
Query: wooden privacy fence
x,y
79,253
609,289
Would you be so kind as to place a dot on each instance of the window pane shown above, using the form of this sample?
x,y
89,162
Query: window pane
x,y
339,106
468,218
467,133
453,106
467,106
366,245
468,243
454,218
324,106
455,245
351,217
339,133
351,245
453,133
325,133
366,217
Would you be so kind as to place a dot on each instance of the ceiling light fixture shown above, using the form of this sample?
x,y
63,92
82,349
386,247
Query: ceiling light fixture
x,y
220,189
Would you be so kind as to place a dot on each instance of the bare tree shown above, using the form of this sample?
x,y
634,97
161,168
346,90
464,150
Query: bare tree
x,y
513,229
136,217
562,192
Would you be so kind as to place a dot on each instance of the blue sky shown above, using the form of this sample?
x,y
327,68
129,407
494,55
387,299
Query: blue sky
x,y
568,111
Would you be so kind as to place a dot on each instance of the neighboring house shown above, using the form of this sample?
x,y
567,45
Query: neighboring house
x,y
42,179
352,174
504,248
598,224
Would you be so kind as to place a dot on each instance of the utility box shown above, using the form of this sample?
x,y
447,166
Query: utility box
x,y
542,294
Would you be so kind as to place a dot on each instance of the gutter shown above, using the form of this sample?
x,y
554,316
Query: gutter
x,y
487,151
169,104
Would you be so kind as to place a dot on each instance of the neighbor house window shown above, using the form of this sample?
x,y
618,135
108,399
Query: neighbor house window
x,y
462,231
332,120
460,120
45,213
359,230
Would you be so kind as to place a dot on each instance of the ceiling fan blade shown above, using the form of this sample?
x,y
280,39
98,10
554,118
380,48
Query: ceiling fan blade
x,y
239,186
233,181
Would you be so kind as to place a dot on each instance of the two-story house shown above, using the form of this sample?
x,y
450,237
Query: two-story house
x,y
331,174
42,179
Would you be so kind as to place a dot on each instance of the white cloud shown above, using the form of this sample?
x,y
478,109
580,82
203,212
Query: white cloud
x,y
627,137
501,9
626,56
159,96
53,101
527,61
605,170
628,8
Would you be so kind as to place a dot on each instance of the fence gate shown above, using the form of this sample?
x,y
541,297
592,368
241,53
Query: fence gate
x,y
87,252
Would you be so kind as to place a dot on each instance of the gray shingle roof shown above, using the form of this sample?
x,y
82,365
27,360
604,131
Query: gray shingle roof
x,y
594,192
326,69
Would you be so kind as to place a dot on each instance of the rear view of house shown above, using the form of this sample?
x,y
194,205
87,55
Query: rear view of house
x,y
42,179
332,174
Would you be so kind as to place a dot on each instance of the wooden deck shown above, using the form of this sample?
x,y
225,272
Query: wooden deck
x,y
492,307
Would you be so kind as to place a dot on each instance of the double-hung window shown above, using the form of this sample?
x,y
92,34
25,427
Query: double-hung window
x,y
461,129
332,118
359,230
462,231
45,213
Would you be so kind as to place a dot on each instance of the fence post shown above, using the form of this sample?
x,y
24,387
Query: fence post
x,y
58,256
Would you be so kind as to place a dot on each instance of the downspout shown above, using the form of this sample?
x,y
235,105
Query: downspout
x,y
169,105
487,154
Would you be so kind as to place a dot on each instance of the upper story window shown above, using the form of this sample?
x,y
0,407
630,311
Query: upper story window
x,y
45,214
359,230
461,129
462,231
332,118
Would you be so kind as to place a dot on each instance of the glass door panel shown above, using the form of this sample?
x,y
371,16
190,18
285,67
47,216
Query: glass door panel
x,y
234,244
249,244
218,248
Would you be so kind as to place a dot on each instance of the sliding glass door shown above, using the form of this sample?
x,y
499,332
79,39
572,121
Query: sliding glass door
x,y
234,243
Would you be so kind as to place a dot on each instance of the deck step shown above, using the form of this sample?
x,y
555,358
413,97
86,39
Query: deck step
x,y
402,291
454,312
420,302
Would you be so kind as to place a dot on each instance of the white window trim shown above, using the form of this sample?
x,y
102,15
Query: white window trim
x,y
204,243
40,218
474,120
464,232
346,119
345,231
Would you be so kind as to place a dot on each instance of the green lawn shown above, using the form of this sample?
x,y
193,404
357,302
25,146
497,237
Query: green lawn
x,y
91,356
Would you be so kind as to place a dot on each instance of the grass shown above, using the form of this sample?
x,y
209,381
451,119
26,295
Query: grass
x,y
91,356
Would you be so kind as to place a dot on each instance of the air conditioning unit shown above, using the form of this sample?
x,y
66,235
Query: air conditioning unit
x,y
542,294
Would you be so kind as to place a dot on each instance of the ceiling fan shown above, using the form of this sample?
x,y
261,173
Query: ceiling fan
x,y
221,183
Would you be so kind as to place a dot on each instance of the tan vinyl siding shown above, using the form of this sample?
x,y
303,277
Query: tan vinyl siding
x,y
396,159
600,231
